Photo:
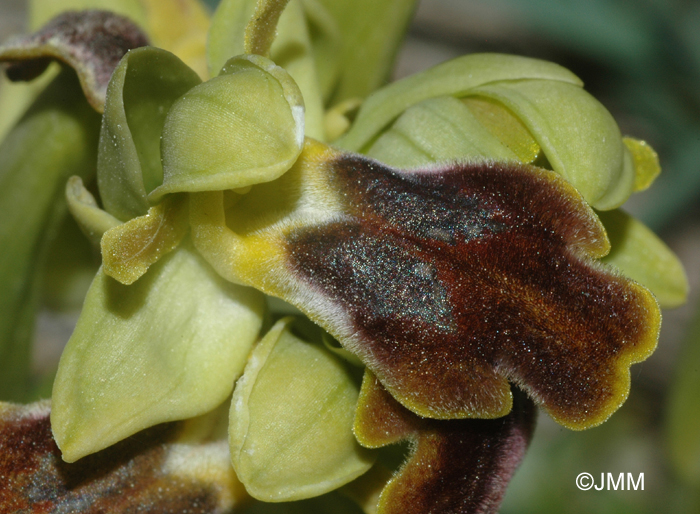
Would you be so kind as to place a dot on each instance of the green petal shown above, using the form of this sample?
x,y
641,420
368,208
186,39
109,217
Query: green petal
x,y
371,32
577,134
291,420
142,89
55,139
92,220
437,129
638,253
452,78
168,347
244,127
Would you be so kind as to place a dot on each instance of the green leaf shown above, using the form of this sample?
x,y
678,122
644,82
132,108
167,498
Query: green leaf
x,y
55,139
437,129
244,127
142,89
291,420
454,78
639,253
577,134
168,347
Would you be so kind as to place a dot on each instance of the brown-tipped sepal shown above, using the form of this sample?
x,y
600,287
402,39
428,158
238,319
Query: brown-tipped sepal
x,y
92,42
450,282
454,466
150,472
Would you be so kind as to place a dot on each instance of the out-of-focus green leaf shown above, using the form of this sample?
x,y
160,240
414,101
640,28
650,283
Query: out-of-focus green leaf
x,y
142,89
291,420
639,253
244,127
168,347
227,32
56,138
437,129
579,137
683,421
454,78
16,98
68,273
371,31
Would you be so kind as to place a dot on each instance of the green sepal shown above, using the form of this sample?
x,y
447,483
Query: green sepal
x,y
453,78
639,254
244,127
55,139
437,129
168,347
292,50
291,420
371,33
579,137
142,89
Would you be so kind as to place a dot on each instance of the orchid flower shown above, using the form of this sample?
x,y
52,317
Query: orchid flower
x,y
335,274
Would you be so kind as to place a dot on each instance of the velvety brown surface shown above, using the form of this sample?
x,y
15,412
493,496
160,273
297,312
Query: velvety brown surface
x,y
126,478
459,279
455,466
93,42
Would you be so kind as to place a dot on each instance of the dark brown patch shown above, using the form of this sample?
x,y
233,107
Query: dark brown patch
x,y
459,279
92,42
126,477
455,466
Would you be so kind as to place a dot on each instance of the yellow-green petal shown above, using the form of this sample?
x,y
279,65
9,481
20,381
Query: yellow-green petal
x,y
244,127
130,248
142,89
646,162
455,78
577,134
291,420
437,129
639,254
168,347
92,220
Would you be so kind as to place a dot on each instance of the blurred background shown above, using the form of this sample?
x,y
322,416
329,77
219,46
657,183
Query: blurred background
x,y
641,59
